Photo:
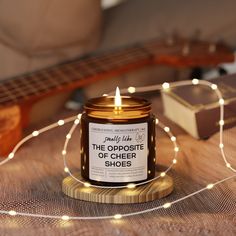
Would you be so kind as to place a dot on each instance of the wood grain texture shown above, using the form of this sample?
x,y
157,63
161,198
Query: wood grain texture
x,y
10,128
157,189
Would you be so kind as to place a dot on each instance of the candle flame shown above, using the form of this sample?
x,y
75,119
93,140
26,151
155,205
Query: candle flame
x,y
118,102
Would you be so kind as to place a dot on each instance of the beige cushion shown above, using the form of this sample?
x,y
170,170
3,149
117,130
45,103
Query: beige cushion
x,y
38,33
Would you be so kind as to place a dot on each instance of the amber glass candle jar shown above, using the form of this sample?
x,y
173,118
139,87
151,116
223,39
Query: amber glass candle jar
x,y
117,142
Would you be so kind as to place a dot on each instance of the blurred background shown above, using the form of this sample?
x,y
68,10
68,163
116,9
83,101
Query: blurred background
x,y
39,34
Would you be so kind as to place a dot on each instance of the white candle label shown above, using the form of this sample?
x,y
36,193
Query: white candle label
x,y
118,153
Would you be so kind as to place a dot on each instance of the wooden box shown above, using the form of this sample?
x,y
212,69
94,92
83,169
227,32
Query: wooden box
x,y
196,109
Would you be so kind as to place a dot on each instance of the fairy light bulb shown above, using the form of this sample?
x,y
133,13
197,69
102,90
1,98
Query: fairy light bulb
x,y
63,152
221,145
117,216
221,122
167,205
228,165
167,129
173,138
12,213
195,81
105,95
68,136
35,133
11,155
118,102
214,86
174,161
131,185
61,122
66,169
165,86
163,174
210,186
176,149
131,89
65,217
79,116
76,122
221,101
86,184
157,121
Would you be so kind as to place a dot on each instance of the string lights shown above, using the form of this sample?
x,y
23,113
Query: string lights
x,y
67,170
76,120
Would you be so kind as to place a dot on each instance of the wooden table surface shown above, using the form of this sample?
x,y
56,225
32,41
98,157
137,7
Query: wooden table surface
x,y
32,183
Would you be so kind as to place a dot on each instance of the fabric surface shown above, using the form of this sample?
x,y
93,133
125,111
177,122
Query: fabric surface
x,y
32,183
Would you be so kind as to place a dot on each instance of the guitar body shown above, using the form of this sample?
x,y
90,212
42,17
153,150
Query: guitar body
x,y
10,128
14,118
18,95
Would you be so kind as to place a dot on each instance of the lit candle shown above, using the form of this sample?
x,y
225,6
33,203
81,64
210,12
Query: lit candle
x,y
118,102
117,140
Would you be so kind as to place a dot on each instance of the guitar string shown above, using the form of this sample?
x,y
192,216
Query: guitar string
x,y
125,54
18,94
119,216
56,85
173,48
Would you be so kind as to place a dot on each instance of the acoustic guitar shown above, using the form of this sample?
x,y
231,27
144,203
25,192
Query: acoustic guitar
x,y
17,95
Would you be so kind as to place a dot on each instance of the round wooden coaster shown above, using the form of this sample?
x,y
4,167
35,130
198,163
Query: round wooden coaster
x,y
157,189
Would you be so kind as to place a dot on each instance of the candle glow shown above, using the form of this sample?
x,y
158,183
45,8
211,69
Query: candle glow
x,y
118,102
